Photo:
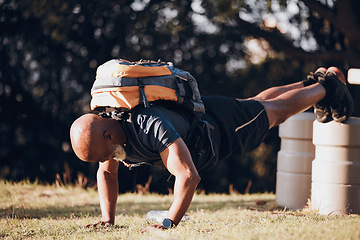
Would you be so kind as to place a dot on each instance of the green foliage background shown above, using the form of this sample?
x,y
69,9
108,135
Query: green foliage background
x,y
49,52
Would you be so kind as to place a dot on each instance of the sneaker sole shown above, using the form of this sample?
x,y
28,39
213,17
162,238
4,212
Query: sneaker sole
x,y
322,109
341,115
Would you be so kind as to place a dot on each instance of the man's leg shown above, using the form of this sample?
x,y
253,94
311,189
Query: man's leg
x,y
276,91
291,102
329,87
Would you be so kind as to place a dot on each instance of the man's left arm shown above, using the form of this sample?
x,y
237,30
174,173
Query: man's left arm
x,y
178,161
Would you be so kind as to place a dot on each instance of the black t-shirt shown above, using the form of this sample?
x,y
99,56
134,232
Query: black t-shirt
x,y
157,127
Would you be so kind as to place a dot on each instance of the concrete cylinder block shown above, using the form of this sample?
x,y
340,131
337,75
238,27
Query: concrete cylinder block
x,y
293,177
336,168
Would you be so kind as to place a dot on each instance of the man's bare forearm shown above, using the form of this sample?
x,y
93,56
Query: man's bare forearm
x,y
108,192
177,160
183,193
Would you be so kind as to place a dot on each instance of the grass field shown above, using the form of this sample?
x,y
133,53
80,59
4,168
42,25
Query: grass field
x,y
33,211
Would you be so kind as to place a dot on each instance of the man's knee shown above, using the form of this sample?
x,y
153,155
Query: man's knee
x,y
276,113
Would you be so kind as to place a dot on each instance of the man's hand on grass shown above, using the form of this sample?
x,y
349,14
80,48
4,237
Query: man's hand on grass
x,y
152,228
100,223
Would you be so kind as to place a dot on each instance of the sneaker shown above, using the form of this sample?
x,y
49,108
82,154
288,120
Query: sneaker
x,y
322,108
314,77
322,112
337,96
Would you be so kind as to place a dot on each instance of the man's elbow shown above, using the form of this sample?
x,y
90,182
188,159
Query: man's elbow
x,y
194,178
103,174
197,179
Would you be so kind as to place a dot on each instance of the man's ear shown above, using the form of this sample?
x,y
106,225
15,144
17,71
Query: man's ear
x,y
107,135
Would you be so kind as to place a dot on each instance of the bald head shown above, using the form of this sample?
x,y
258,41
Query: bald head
x,y
94,138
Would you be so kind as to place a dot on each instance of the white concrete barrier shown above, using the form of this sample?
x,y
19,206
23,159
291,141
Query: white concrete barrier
x,y
354,76
293,177
336,168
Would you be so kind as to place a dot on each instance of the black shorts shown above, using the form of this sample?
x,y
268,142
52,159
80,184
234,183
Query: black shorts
x,y
243,124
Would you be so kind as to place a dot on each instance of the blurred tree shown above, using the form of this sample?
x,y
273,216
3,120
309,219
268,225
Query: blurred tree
x,y
49,51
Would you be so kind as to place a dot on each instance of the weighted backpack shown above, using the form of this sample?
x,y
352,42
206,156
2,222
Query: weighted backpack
x,y
121,87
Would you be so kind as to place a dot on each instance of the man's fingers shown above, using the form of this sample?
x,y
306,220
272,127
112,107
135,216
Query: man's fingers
x,y
152,228
101,223
106,224
92,224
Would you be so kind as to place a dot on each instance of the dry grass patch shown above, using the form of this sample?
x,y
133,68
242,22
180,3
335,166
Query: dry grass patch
x,y
33,211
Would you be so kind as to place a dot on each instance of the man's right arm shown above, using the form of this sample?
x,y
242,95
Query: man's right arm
x,y
107,182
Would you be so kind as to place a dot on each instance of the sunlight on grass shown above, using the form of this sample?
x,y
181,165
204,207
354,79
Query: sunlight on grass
x,y
34,211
